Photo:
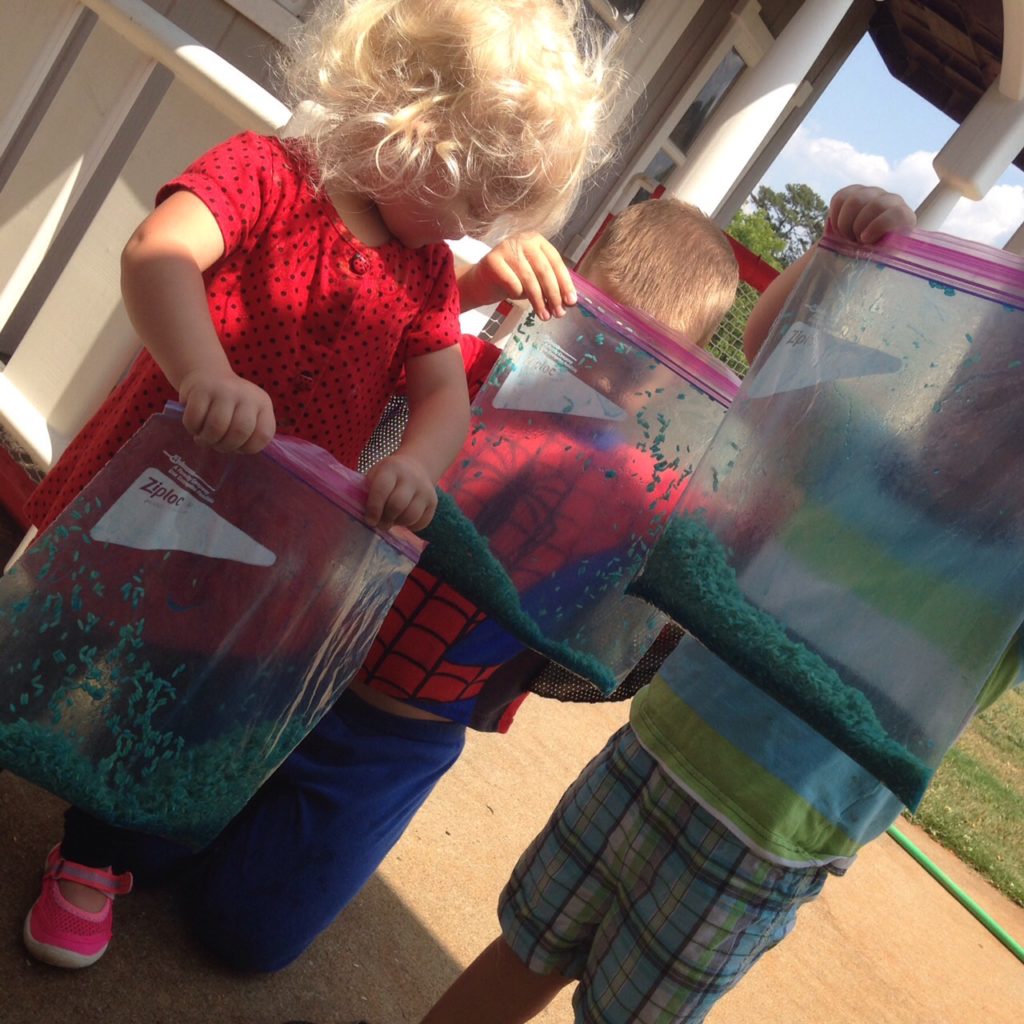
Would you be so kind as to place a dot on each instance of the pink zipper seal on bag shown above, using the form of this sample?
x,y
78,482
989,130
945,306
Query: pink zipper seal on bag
x,y
340,485
680,355
956,262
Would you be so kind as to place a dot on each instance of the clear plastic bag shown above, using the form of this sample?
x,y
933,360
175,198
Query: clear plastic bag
x,y
581,441
853,539
184,623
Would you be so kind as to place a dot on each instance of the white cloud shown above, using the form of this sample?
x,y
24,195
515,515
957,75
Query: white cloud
x,y
840,160
991,220
828,164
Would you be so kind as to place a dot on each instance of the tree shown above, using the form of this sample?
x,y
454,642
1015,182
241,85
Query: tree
x,y
752,229
796,214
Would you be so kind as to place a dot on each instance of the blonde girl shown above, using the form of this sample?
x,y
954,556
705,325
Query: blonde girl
x,y
294,284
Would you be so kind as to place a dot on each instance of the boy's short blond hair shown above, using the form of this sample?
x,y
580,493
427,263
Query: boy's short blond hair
x,y
499,101
667,259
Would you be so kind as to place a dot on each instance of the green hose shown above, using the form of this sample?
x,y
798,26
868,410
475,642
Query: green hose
x,y
947,883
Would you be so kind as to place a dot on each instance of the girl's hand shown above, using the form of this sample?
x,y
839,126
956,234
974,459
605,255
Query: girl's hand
x,y
227,413
401,494
526,266
862,213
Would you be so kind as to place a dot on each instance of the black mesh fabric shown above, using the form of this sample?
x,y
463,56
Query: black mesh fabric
x,y
559,683
387,435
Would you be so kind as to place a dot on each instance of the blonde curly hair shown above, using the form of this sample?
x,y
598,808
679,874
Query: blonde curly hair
x,y
501,102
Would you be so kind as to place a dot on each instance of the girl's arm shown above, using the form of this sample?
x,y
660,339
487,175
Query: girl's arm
x,y
524,266
402,486
165,296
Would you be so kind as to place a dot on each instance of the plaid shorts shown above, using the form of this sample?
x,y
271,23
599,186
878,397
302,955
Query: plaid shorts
x,y
644,897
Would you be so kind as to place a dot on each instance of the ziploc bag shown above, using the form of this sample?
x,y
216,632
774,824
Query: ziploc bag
x,y
853,539
580,443
184,623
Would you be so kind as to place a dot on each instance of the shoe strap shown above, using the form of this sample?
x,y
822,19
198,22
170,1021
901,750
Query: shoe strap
x,y
100,879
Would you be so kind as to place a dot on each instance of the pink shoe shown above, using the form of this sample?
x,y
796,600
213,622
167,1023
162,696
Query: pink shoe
x,y
59,933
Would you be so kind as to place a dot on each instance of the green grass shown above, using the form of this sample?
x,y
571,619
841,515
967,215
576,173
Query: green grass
x,y
975,804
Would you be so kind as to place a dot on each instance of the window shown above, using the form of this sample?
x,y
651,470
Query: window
x,y
658,164
708,98
673,149
660,167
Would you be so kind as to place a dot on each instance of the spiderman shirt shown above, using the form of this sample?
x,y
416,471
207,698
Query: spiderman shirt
x,y
527,494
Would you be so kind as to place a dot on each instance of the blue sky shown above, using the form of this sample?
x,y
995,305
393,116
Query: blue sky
x,y
868,127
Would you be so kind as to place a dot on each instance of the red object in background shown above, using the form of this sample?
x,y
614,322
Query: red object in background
x,y
753,270
15,487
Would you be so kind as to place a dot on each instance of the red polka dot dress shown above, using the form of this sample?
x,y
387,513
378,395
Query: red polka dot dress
x,y
320,321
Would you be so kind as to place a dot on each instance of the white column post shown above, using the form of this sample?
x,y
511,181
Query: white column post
x,y
1011,72
748,113
937,206
1015,243
984,145
977,153
988,138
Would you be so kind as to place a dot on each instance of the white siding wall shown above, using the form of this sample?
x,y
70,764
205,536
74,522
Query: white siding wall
x,y
60,310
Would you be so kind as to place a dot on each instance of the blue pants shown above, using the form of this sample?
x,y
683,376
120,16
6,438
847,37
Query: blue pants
x,y
304,845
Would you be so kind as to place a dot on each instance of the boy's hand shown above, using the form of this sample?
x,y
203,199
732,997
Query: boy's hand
x,y
862,213
527,266
227,413
401,494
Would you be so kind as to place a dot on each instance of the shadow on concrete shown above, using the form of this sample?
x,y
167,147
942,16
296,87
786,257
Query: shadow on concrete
x,y
377,961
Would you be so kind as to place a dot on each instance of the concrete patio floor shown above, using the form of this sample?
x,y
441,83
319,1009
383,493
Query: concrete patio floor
x,y
885,945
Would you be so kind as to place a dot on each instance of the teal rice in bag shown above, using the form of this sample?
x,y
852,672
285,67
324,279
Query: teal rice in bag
x,y
184,623
853,538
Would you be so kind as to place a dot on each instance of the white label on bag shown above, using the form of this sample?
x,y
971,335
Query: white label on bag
x,y
157,514
543,383
822,357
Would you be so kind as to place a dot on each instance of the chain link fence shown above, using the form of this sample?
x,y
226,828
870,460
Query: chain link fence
x,y
727,343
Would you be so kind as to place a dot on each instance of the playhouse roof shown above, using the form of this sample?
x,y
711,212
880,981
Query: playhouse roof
x,y
948,51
